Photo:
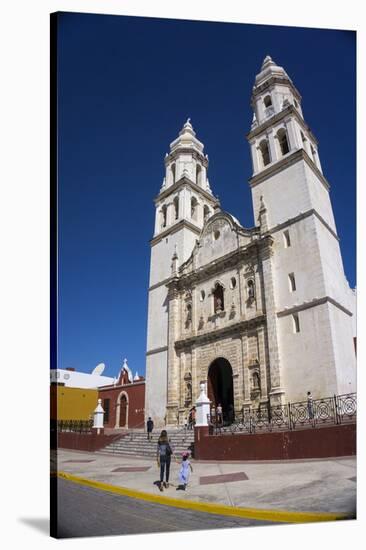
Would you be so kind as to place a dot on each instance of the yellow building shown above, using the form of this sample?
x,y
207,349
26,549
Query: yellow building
x,y
72,403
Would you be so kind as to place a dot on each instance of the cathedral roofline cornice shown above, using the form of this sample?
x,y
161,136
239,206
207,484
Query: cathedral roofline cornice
x,y
313,303
290,110
174,228
285,162
218,333
260,244
299,217
182,182
258,89
173,155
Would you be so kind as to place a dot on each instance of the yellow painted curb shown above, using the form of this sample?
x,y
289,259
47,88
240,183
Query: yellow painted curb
x,y
220,509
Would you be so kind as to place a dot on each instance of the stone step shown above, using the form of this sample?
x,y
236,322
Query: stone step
x,y
135,443
147,449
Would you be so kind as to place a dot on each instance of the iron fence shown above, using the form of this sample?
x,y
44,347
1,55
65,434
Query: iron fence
x,y
339,409
76,426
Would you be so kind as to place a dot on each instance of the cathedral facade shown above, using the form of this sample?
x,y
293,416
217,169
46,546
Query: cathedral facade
x,y
263,314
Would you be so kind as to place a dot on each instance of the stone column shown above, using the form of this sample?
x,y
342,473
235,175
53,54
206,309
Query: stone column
x,y
246,381
181,204
291,134
99,417
170,214
262,362
157,220
258,291
204,177
254,152
173,360
276,392
272,145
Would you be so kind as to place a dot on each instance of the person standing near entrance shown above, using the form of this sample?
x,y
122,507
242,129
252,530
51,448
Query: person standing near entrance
x,y
149,428
163,456
219,414
310,406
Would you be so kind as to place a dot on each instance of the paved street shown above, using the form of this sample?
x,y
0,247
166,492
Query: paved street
x,y
327,485
85,512
265,489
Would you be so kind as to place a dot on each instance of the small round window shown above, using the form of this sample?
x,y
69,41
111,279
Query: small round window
x,y
216,234
232,282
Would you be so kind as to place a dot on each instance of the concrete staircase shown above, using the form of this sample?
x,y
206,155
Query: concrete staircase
x,y
136,443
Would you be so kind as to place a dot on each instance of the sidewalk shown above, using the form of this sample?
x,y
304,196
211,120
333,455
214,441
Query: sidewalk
x,y
327,485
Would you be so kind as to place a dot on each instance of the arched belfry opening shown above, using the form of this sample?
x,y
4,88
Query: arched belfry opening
x,y
220,387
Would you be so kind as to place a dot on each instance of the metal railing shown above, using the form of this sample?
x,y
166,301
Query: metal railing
x,y
76,426
339,409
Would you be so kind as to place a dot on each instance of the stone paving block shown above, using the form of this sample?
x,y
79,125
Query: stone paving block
x,y
223,478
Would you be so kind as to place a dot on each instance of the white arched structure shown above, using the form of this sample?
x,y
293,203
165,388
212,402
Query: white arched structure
x,y
118,409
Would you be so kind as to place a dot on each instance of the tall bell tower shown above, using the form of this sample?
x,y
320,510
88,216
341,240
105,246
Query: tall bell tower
x,y
183,204
307,297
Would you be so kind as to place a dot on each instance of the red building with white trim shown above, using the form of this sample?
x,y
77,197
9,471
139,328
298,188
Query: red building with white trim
x,y
124,401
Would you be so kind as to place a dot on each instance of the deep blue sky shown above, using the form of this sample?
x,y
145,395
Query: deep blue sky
x,y
126,86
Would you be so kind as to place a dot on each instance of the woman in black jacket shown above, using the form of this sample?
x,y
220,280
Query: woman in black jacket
x,y
163,456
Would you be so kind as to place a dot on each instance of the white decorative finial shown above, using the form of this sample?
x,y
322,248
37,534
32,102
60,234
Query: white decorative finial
x,y
267,61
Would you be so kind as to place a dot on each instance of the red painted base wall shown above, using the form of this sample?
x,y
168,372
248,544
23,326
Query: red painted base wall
x,y
84,442
312,443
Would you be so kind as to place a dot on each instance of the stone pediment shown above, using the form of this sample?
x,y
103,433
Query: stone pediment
x,y
221,235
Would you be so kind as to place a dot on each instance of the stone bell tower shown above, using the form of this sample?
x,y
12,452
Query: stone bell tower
x,y
310,329
184,202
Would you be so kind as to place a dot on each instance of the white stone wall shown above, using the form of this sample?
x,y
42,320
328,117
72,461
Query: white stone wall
x,y
157,333
156,387
319,197
302,258
162,253
344,351
307,357
285,195
335,282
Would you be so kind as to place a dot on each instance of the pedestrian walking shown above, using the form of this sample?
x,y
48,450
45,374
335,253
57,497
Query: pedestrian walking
x,y
219,414
163,455
310,406
184,472
149,428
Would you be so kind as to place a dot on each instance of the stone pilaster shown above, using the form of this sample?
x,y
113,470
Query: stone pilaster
x,y
173,360
272,145
276,393
262,356
291,134
246,381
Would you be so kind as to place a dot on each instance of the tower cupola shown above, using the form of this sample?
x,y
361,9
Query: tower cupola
x,y
278,128
185,193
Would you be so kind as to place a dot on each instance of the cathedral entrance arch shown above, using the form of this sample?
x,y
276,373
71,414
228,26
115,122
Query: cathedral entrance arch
x,y
220,387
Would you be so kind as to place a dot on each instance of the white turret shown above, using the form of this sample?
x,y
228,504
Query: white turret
x,y
278,127
185,193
